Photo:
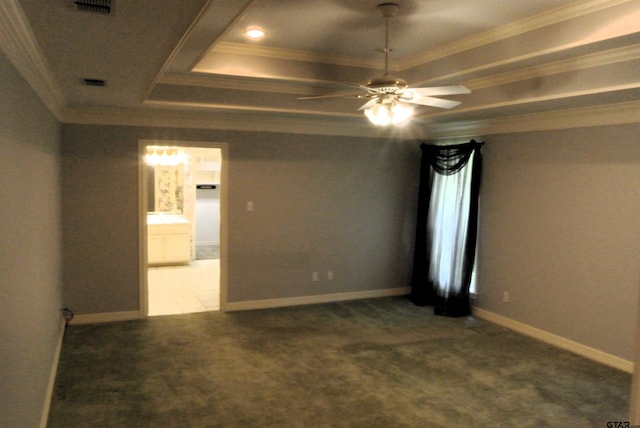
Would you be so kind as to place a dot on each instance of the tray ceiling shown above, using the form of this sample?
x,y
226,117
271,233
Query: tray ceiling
x,y
187,62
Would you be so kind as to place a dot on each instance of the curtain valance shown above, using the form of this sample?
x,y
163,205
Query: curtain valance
x,y
449,159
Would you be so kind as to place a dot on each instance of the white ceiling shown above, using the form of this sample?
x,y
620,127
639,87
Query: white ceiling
x,y
187,63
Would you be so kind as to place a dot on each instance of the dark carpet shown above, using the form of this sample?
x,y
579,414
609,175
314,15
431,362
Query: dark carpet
x,y
370,363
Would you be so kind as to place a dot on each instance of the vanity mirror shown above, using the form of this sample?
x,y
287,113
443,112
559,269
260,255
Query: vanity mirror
x,y
165,180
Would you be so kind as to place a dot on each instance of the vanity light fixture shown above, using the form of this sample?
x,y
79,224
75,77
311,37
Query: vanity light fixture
x,y
165,156
254,33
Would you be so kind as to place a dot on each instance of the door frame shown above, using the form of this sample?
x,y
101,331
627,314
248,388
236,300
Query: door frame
x,y
143,288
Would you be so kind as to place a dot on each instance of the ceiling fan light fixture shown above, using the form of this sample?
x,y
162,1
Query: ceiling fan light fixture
x,y
390,99
389,113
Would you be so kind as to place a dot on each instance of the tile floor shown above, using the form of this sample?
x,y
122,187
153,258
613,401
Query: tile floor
x,y
184,289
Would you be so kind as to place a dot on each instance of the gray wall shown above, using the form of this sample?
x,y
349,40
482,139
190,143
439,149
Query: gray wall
x,y
560,231
558,227
30,259
320,203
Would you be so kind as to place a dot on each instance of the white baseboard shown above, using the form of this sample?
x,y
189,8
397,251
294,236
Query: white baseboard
x,y
555,340
312,300
44,418
105,317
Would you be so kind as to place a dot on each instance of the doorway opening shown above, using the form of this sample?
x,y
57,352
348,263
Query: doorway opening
x,y
182,199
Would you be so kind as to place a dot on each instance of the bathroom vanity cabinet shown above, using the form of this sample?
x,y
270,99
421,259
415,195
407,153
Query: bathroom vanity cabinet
x,y
169,240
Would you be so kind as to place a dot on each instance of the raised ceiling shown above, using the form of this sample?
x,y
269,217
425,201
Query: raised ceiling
x,y
530,65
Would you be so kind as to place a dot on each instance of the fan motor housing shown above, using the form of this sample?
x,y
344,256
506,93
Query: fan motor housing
x,y
387,84
388,10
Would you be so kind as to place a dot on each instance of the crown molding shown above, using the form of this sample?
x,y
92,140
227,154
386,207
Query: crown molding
x,y
582,117
176,50
554,16
205,80
181,105
602,115
20,45
540,99
627,53
223,120
295,55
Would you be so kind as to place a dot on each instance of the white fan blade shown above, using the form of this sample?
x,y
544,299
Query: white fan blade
x,y
356,85
433,102
334,95
368,104
440,90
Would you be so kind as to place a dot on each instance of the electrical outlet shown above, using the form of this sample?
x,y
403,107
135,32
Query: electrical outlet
x,y
330,275
314,276
505,296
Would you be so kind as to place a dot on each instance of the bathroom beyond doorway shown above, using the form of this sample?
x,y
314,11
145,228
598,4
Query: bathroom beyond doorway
x,y
184,289
183,205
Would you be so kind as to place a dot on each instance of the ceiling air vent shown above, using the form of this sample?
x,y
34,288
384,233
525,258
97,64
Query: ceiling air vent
x,y
103,7
94,82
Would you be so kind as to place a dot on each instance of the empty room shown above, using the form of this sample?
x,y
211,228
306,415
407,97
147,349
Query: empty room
x,y
416,213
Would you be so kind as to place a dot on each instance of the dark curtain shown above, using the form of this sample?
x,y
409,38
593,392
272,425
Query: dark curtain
x,y
447,227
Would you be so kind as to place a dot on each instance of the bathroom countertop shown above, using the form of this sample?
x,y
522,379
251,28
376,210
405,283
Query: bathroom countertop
x,y
166,219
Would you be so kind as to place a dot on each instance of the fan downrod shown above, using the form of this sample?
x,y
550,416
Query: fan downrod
x,y
387,83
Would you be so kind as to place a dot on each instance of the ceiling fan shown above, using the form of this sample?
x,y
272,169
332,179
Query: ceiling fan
x,y
389,97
